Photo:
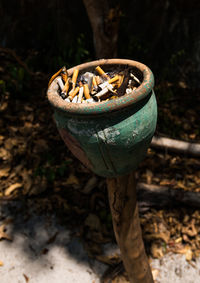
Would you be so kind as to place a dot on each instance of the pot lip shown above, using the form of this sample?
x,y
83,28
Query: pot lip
x,y
104,107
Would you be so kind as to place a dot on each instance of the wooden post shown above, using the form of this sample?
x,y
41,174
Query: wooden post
x,y
123,204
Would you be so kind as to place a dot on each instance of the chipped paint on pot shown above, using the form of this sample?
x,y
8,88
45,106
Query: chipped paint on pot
x,y
111,138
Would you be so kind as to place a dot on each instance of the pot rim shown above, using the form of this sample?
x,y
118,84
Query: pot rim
x,y
103,107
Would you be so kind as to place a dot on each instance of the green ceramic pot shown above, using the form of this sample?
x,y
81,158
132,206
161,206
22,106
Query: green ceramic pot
x,y
111,138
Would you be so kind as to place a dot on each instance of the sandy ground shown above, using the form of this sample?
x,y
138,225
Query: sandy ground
x,y
42,250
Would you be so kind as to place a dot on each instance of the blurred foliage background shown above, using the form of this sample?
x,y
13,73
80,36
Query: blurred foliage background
x,y
163,34
39,37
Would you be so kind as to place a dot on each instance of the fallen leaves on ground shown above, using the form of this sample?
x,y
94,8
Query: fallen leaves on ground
x,y
12,188
3,234
36,163
26,277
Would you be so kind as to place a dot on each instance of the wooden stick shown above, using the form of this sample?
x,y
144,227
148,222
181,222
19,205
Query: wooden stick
x,y
123,204
162,196
176,145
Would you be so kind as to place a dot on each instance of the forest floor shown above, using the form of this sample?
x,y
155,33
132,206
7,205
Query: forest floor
x,y
38,173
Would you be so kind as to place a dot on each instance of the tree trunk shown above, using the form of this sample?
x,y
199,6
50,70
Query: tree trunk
x,y
105,22
123,204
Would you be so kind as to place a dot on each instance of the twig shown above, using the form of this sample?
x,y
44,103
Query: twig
x,y
162,196
176,145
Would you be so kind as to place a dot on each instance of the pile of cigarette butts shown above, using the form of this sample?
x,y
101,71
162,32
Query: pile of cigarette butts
x,y
94,87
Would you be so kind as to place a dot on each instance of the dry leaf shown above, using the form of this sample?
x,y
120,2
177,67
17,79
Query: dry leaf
x,y
163,236
10,143
181,185
3,235
26,277
165,182
186,250
93,222
72,180
178,240
4,154
188,254
1,139
149,176
156,250
155,273
111,260
40,146
27,180
4,171
12,188
120,279
90,185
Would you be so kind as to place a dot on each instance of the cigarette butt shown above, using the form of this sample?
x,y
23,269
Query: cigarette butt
x,y
60,82
75,99
86,91
107,85
66,87
74,77
102,73
64,74
94,82
135,78
110,88
178,240
103,85
102,92
128,90
80,94
114,79
98,80
74,92
119,81
54,76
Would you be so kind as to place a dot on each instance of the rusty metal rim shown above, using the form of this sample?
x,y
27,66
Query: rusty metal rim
x,y
103,107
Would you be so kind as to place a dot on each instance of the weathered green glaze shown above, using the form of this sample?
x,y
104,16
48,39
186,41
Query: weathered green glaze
x,y
111,138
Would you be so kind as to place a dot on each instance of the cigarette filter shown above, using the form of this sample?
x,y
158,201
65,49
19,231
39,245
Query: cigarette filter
x,y
94,82
74,77
60,82
73,93
64,74
86,91
80,94
98,80
118,83
75,99
54,76
107,85
114,79
110,88
102,73
102,92
135,78
66,87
